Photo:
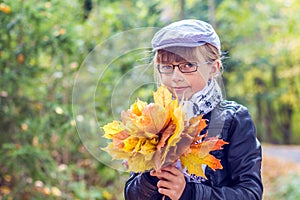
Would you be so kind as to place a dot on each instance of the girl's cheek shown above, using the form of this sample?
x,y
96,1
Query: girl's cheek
x,y
165,81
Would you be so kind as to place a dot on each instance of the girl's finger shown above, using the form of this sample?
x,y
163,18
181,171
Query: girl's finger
x,y
164,184
173,170
171,194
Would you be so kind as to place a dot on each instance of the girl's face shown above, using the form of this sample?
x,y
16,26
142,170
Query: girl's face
x,y
184,85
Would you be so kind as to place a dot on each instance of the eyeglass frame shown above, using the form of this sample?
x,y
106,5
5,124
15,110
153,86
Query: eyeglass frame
x,y
178,65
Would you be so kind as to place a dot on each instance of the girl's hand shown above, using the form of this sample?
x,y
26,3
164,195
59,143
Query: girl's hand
x,y
171,183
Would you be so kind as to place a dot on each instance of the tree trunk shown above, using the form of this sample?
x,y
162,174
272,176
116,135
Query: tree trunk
x,y
269,119
259,119
286,113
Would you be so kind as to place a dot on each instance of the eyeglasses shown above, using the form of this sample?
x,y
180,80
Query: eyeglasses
x,y
187,67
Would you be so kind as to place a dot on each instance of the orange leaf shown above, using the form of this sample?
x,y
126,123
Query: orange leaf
x,y
213,143
199,155
165,136
202,124
156,115
150,119
158,134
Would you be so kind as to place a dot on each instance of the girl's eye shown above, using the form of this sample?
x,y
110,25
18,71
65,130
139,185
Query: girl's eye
x,y
166,67
188,65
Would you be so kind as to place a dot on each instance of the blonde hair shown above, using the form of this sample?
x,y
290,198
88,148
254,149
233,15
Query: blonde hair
x,y
203,53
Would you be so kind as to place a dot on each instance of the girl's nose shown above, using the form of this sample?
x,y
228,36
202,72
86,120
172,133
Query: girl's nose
x,y
177,75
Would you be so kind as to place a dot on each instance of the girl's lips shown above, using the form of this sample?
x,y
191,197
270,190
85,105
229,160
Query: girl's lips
x,y
179,89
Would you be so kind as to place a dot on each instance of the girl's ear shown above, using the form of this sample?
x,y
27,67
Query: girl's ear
x,y
214,68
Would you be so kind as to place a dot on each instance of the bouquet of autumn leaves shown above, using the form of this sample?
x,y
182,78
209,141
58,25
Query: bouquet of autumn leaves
x,y
151,136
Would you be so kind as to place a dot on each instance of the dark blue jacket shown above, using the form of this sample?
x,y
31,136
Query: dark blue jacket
x,y
240,177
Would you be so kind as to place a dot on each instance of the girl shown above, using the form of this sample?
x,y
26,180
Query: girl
x,y
187,61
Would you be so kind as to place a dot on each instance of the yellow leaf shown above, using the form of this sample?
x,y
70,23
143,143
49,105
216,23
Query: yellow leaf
x,y
116,153
4,8
107,195
119,138
162,96
56,192
149,146
113,128
137,107
130,144
193,163
199,155
154,135
4,190
178,117
7,178
150,119
138,162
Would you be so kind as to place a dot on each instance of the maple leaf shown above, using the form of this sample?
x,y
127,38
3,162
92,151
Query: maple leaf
x,y
151,136
177,118
138,106
163,97
150,119
113,128
156,115
199,154
180,144
130,144
116,153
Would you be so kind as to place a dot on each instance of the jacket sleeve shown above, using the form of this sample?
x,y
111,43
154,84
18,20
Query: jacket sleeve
x,y
142,186
243,165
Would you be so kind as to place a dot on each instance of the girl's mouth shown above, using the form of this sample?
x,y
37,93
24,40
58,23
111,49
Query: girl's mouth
x,y
179,89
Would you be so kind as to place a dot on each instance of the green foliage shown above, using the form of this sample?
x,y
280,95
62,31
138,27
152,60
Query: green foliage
x,y
263,66
43,43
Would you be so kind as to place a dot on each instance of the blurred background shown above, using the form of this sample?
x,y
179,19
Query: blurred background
x,y
42,46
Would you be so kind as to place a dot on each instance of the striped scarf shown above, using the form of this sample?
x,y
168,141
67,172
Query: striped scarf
x,y
203,101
